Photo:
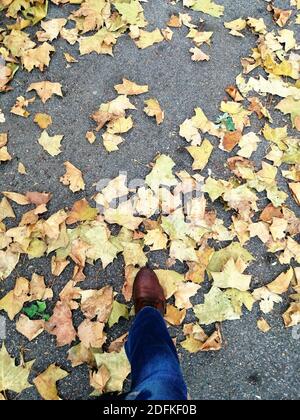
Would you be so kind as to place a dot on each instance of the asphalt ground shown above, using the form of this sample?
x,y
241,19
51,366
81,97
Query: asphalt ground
x,y
252,365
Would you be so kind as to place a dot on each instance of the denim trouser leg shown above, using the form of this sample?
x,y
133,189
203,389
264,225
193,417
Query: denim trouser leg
x,y
156,373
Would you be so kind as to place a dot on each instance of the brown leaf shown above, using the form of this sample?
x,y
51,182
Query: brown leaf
x,y
61,325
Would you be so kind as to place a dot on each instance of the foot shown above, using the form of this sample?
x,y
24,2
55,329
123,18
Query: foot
x,y
147,291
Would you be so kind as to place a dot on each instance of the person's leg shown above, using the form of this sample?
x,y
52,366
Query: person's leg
x,y
156,372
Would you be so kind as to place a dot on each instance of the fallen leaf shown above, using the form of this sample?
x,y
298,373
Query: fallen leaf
x,y
50,144
153,109
131,88
118,366
13,378
61,325
46,382
73,178
46,90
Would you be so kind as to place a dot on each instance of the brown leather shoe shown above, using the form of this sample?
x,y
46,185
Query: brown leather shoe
x,y
147,291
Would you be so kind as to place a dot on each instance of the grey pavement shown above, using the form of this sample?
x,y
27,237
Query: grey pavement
x,y
252,365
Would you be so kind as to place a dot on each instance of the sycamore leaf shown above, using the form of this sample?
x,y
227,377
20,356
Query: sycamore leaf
x,y
91,334
147,39
263,325
161,173
295,188
43,120
51,144
266,298
81,212
97,303
183,294
153,109
6,210
61,325
38,57
51,29
239,299
206,6
282,283
73,178
199,55
291,106
169,280
292,316
99,380
119,310
118,366
46,90
13,378
200,154
216,308
30,328
131,88
46,382
220,258
175,316
231,278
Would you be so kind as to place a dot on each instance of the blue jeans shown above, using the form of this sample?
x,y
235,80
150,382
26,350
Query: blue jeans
x,y
156,373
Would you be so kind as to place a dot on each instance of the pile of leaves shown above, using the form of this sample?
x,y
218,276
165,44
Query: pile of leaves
x,y
152,218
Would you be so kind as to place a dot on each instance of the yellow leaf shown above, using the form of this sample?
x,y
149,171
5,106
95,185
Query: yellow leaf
x,y
131,88
73,178
153,109
46,382
13,378
46,90
200,154
43,120
52,145
147,39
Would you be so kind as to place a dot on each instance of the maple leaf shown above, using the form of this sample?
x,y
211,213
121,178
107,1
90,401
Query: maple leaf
x,y
46,90
73,178
61,324
263,325
231,278
97,303
101,43
46,382
30,328
205,6
130,88
38,57
51,29
147,39
43,120
175,316
216,308
13,378
169,280
119,310
200,154
91,334
199,55
6,210
51,144
183,294
153,109
161,173
118,366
